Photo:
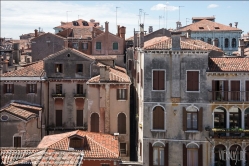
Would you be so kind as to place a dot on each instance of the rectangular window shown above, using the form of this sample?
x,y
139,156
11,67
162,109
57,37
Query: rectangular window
x,y
84,46
79,68
58,88
17,142
8,88
79,118
31,88
192,80
75,46
121,94
220,90
122,148
58,68
98,45
115,46
192,121
158,80
235,90
58,118
79,88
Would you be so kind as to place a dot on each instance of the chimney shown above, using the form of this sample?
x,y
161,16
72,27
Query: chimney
x,y
135,39
16,53
176,40
106,27
230,24
150,29
122,32
104,73
189,33
178,25
141,35
236,24
241,47
118,28
36,33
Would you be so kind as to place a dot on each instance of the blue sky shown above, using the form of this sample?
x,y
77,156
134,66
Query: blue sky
x,y
20,17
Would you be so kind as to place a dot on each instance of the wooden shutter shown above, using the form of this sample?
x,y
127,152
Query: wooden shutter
x,y
235,88
27,88
130,64
121,123
184,155
117,94
35,88
12,88
195,82
200,155
213,90
184,119
161,80
200,119
150,154
155,80
225,90
158,118
17,141
79,118
95,122
4,88
166,154
247,90
189,81
58,118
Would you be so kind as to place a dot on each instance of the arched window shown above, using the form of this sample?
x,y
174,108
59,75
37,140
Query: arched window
x,y
235,150
192,154
220,118
158,154
234,43
94,122
235,117
209,41
220,155
226,42
121,123
158,118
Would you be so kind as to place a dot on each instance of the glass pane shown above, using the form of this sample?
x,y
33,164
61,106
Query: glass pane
x,y
161,156
188,120
194,115
155,156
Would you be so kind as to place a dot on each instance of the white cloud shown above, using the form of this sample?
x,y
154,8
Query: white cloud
x,y
161,7
212,6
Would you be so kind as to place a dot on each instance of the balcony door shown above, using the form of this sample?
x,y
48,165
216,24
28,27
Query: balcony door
x,y
235,90
220,90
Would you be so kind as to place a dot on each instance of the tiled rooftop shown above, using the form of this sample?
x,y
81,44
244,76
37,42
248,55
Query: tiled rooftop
x,y
70,24
33,70
207,25
228,64
97,145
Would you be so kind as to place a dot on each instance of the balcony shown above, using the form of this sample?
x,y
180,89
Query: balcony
x,y
228,96
79,95
232,133
58,95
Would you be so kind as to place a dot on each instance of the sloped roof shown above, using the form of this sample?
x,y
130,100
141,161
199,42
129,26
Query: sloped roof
x,y
22,110
246,52
185,44
48,33
97,146
208,26
155,40
33,70
228,64
70,24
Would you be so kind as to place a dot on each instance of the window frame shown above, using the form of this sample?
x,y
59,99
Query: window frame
x,y
84,44
152,80
31,88
124,92
246,95
75,45
56,92
122,125
158,148
98,45
124,143
80,89
230,89
192,128
79,66
77,122
199,81
14,141
58,66
114,44
8,88
164,125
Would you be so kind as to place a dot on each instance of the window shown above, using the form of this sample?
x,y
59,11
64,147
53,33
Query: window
x,y
8,88
84,46
4,118
158,154
79,121
75,46
158,118
98,45
235,149
79,88
76,143
234,43
247,90
192,118
94,122
201,27
58,68
192,80
216,42
141,77
31,88
220,118
193,155
105,164
121,123
121,94
220,155
247,119
209,41
158,79
202,39
226,43
122,148
58,88
79,68
234,118
220,90
58,118
17,142
115,46
235,90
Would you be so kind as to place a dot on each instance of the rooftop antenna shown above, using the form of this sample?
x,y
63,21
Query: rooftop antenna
x,y
116,16
159,20
67,15
187,20
39,29
145,14
179,12
166,15
140,13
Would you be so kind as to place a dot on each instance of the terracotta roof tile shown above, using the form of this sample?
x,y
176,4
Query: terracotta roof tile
x,y
226,64
34,70
155,40
70,24
208,26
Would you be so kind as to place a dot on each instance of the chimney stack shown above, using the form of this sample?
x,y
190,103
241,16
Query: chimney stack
x,y
36,33
122,32
236,24
176,40
150,29
106,27
141,35
135,40
241,47
118,32
230,24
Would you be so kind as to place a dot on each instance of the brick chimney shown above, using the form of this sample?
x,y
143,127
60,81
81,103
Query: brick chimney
x,y
36,33
230,24
176,40
118,30
122,32
106,27
104,73
141,35
241,48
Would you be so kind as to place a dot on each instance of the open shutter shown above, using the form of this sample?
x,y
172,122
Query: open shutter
x,y
166,154
247,90
27,88
4,88
12,88
117,94
189,81
155,80
126,94
213,90
184,155
137,77
161,82
195,82
150,154
226,90
184,119
200,119
200,156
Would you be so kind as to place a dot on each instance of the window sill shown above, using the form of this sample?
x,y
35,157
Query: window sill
x,y
158,90
122,100
192,131
152,130
31,93
192,91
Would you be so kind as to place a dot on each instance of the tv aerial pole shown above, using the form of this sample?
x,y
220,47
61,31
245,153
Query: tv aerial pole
x,y
116,16
179,12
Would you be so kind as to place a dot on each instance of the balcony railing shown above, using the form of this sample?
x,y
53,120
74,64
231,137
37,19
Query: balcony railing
x,y
232,96
233,133
78,95
58,94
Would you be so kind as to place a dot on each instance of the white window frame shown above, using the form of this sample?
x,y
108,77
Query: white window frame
x,y
151,119
198,84
187,110
125,148
112,46
165,87
4,120
126,97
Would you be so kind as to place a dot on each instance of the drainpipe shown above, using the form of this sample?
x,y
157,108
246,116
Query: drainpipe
x,y
48,111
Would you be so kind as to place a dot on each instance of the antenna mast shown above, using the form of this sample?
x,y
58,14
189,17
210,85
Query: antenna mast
x,y
116,16
179,12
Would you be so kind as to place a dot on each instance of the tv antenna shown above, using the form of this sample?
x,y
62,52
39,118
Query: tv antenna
x,y
179,11
67,15
116,16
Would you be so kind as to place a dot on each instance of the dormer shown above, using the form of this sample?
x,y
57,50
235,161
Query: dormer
x,y
75,23
77,142
85,23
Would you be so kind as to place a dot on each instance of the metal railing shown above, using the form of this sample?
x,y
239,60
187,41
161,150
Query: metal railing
x,y
232,133
235,96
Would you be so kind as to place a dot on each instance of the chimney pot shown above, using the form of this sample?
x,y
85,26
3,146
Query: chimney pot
x,y
106,26
36,33
230,24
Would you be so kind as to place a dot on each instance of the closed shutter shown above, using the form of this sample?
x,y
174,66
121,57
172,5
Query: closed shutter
x,y
235,88
4,88
200,119
95,122
117,94
35,88
184,119
189,81
150,154
27,88
12,88
130,64
17,141
79,117
58,118
247,90
158,118
200,156
126,94
226,90
161,82
213,90
184,155
155,80
166,154
195,76
121,123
